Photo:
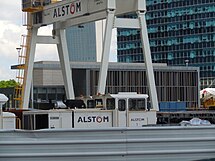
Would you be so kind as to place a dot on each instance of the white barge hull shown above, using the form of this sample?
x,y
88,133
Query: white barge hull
x,y
117,144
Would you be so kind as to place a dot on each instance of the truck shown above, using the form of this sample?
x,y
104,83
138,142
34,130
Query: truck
x,y
125,109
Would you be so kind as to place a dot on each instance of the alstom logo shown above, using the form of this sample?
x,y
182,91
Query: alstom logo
x,y
68,9
97,119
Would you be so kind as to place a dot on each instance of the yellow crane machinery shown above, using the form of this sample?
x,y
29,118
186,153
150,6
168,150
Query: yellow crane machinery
x,y
35,5
29,7
209,103
32,5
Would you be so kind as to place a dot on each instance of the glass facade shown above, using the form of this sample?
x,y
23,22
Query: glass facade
x,y
81,42
181,32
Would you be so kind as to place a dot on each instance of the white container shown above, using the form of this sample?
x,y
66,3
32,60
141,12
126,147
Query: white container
x,y
9,120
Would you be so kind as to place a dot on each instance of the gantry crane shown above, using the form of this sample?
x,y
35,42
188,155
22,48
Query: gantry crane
x,y
66,13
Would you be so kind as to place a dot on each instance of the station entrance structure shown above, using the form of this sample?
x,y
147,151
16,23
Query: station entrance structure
x,y
67,13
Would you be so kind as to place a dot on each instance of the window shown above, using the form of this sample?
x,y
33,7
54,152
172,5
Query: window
x,y
110,103
99,103
136,104
90,104
121,105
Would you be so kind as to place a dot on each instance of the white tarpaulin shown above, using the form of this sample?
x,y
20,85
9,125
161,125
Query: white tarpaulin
x,y
207,92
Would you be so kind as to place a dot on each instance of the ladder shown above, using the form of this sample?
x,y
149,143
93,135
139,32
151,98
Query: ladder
x,y
22,66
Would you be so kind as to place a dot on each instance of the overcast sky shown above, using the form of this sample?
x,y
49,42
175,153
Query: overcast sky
x,y
11,29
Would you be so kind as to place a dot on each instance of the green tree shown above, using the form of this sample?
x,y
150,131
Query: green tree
x,y
8,83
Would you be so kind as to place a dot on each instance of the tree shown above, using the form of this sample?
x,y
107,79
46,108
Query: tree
x,y
8,83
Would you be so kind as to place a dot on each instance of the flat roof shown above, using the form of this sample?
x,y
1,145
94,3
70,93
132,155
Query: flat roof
x,y
50,65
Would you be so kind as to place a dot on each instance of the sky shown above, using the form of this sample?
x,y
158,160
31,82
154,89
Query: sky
x,y
11,30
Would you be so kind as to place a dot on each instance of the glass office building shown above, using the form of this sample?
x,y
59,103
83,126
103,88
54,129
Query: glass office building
x,y
85,41
181,32
81,41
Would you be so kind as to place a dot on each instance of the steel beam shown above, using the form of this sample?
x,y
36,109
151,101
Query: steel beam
x,y
127,23
47,40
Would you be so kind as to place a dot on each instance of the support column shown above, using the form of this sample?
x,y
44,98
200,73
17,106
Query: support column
x,y
148,60
29,68
106,52
65,64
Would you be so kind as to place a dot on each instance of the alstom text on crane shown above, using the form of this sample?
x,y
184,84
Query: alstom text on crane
x,y
67,9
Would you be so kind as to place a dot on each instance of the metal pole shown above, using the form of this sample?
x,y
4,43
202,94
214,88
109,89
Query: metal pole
x,y
1,115
32,94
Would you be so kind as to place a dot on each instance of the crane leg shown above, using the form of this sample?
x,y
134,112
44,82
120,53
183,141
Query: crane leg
x,y
65,64
106,52
29,68
148,60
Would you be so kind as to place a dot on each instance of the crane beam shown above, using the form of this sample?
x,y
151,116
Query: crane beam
x,y
82,11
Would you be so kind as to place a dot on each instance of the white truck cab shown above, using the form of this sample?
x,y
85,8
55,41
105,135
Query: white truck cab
x,y
125,109
132,110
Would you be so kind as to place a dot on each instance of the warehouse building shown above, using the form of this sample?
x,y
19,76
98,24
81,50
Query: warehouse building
x,y
173,84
